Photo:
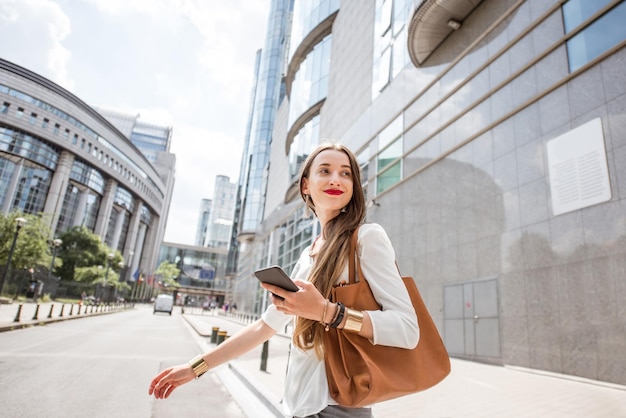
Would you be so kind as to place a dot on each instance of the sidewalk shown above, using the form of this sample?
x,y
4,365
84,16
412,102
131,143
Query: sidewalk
x,y
471,390
29,315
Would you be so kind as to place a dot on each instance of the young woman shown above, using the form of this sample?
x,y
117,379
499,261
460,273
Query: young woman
x,y
330,185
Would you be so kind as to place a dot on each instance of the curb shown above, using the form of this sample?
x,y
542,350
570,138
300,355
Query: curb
x,y
41,322
267,399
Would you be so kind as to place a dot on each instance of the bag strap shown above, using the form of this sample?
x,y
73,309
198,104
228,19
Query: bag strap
x,y
354,264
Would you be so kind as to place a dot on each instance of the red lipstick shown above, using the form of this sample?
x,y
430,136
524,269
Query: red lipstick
x,y
333,192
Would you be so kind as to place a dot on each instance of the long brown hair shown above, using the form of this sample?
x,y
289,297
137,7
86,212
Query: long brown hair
x,y
333,254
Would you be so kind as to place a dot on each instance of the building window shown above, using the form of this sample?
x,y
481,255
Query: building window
x,y
33,118
304,141
19,113
598,36
390,39
294,236
44,124
389,166
5,107
390,147
56,129
310,84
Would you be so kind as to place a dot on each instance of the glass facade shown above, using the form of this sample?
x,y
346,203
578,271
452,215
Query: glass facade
x,y
390,40
198,268
305,140
84,129
306,16
310,84
267,97
15,142
598,36
32,190
293,237
80,208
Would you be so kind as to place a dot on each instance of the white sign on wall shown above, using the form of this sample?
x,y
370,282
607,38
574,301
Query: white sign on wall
x,y
579,175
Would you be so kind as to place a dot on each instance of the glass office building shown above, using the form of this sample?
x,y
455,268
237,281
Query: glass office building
x,y
491,137
58,156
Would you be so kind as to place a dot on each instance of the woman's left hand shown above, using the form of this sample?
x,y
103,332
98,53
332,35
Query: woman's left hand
x,y
169,379
307,302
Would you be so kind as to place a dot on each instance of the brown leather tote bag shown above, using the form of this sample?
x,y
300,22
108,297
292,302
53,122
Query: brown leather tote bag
x,y
360,373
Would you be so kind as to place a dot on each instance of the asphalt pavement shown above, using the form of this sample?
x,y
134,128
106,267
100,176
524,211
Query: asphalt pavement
x,y
471,390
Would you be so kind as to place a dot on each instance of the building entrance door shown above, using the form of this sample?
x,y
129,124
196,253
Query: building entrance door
x,y
471,320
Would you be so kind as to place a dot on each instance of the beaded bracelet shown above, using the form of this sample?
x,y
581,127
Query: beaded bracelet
x,y
334,317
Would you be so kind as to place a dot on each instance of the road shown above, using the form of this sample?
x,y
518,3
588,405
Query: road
x,y
101,367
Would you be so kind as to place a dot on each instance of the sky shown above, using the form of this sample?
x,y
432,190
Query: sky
x,y
188,64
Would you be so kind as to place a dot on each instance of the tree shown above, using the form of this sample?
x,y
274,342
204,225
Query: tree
x,y
83,248
168,273
31,248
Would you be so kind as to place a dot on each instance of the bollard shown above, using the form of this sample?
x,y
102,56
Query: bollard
x,y
79,307
51,308
19,312
214,332
61,313
36,313
71,309
221,336
264,353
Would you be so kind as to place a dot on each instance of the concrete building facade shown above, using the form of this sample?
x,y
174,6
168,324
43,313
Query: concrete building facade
x,y
492,138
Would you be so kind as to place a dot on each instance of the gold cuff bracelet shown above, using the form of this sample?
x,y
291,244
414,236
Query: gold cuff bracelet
x,y
198,365
354,321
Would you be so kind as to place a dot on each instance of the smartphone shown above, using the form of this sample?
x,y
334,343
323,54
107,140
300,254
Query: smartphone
x,y
276,276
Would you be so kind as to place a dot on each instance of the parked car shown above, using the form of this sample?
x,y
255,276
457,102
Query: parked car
x,y
164,303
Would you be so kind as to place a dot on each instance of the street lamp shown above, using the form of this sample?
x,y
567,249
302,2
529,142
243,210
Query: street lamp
x,y
55,246
19,223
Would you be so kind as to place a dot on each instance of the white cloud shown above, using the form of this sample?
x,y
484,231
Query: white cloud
x,y
187,64
43,22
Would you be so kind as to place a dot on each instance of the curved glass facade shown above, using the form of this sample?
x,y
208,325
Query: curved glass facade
x,y
59,114
390,39
124,199
310,84
306,16
13,141
80,208
305,140
83,173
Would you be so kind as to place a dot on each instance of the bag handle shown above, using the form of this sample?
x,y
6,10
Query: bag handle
x,y
354,264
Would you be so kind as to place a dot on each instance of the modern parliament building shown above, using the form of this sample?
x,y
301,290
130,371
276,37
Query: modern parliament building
x,y
61,157
492,141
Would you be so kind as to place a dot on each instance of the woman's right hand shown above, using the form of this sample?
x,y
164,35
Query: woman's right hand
x,y
169,379
307,302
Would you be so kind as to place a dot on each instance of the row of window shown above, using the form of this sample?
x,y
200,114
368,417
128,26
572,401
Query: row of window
x,y
84,144
598,35
602,30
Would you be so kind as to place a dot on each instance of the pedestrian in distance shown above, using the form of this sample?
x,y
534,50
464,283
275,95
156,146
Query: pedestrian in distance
x,y
330,185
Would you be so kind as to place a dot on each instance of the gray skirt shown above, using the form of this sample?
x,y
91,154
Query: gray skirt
x,y
337,411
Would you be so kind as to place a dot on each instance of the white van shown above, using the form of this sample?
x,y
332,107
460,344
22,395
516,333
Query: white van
x,y
164,303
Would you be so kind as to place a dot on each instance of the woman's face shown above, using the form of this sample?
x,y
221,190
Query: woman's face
x,y
329,183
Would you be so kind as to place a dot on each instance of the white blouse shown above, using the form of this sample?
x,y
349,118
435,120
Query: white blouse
x,y
306,389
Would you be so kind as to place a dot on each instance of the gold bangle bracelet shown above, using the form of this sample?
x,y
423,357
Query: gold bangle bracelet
x,y
354,321
198,365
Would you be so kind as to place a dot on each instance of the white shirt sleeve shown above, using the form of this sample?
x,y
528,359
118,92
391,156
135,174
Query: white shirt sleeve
x,y
396,323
